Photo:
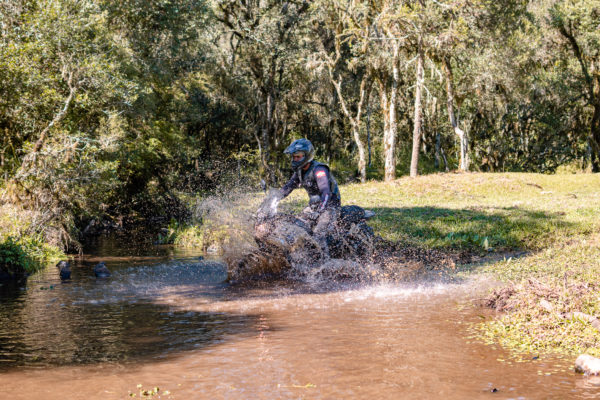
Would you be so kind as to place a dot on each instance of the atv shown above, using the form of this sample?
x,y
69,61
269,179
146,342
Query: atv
x,y
286,241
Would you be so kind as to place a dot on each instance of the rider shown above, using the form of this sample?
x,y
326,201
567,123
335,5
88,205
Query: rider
x,y
317,179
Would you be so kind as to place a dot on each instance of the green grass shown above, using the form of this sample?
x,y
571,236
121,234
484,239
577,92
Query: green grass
x,y
460,211
565,275
475,212
21,249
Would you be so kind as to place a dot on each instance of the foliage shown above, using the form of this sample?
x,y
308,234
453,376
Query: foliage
x,y
25,255
14,259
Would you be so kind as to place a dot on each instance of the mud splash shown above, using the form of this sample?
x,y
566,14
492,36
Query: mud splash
x,y
266,245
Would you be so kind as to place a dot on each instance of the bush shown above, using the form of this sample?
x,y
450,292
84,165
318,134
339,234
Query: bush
x,y
19,257
14,260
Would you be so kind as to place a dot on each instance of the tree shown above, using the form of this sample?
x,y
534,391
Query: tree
x,y
387,39
265,45
345,55
577,22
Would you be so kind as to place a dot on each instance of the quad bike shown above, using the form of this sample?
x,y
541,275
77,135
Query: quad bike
x,y
286,241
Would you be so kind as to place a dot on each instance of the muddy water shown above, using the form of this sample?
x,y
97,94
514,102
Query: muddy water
x,y
165,319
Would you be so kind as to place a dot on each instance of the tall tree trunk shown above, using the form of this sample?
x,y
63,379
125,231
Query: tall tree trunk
x,y
414,161
368,128
594,139
266,137
464,158
385,109
389,139
362,164
438,154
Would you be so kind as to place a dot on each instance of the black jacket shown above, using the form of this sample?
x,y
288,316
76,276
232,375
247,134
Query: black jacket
x,y
315,185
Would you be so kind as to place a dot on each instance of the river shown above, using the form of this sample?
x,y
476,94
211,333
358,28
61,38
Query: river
x,y
166,319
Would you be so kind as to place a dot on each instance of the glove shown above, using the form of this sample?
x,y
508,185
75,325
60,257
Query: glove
x,y
323,203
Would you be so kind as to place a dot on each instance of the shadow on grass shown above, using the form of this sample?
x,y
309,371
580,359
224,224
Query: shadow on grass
x,y
492,229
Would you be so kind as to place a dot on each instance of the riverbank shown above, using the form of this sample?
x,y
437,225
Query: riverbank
x,y
550,221
22,250
549,299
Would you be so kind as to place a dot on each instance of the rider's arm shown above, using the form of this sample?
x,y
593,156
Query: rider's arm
x,y
292,184
322,176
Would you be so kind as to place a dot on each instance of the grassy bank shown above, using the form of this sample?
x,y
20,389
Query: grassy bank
x,y
549,299
23,250
474,211
550,296
552,218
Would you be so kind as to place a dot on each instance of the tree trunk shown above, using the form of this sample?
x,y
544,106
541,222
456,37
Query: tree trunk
x,y
414,161
265,133
385,111
368,128
464,158
362,164
438,154
389,139
594,139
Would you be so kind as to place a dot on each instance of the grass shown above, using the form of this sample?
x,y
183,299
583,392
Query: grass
x,y
474,212
553,218
22,251
546,288
460,211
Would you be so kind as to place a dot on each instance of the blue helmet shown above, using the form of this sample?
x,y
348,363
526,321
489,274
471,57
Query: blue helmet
x,y
304,146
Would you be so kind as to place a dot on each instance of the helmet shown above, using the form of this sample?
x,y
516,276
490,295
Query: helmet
x,y
304,146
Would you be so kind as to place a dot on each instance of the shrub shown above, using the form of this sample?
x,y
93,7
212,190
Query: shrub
x,y
14,260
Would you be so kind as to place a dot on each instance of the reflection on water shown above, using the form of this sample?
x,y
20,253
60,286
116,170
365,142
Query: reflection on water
x,y
88,320
172,322
119,331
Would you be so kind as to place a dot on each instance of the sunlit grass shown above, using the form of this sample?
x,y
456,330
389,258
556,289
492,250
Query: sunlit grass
x,y
477,212
21,249
565,275
512,211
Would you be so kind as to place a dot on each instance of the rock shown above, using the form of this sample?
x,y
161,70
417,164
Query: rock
x,y
101,271
587,364
64,269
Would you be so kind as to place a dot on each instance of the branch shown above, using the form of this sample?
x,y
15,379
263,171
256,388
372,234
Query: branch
x,y
579,56
58,117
